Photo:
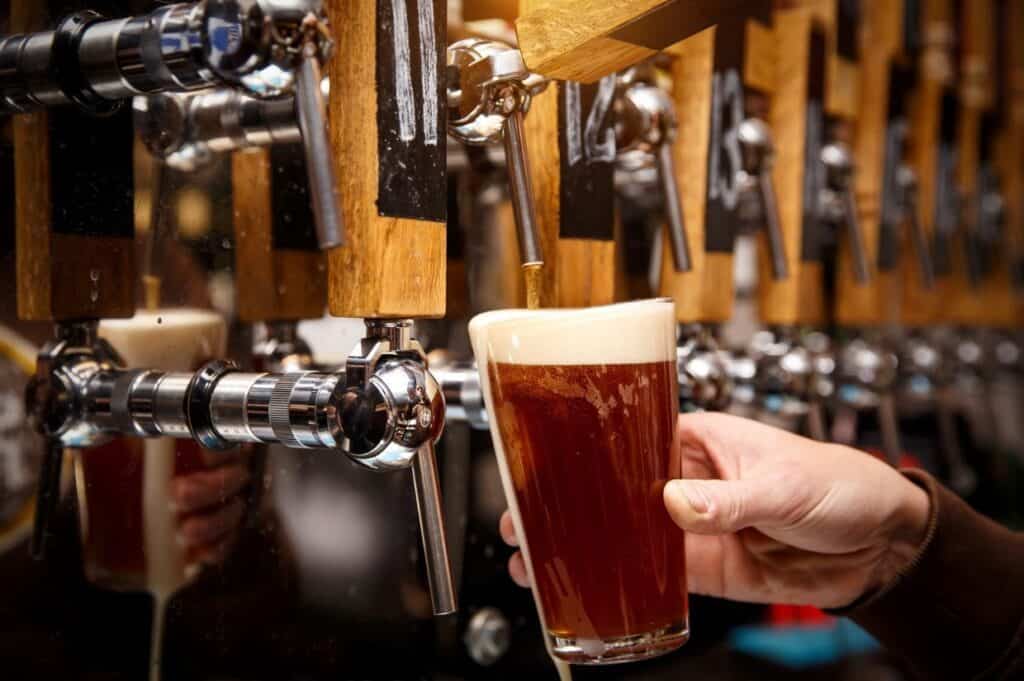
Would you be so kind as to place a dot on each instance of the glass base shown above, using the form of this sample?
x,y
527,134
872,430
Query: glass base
x,y
622,649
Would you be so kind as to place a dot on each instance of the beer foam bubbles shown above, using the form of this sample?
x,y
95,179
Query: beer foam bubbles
x,y
624,333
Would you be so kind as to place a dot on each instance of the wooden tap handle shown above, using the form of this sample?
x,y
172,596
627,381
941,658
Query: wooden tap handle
x,y
280,272
387,112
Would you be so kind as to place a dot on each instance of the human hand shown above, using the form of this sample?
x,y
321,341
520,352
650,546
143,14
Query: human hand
x,y
772,517
210,505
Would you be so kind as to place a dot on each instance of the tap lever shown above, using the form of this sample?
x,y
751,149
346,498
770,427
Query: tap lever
x,y
646,125
841,206
311,113
521,190
487,101
48,496
432,530
907,179
673,208
758,154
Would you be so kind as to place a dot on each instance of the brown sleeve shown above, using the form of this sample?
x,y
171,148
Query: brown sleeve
x,y
957,611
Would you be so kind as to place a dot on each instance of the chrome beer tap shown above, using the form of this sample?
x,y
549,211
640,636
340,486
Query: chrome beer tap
x,y
838,207
705,381
487,101
900,209
645,127
266,48
757,205
384,410
866,371
186,130
786,380
283,349
925,385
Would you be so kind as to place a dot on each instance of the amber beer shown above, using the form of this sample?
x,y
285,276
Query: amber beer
x,y
583,406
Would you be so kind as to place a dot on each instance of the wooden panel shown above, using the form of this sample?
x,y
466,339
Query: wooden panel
x,y
578,270
759,58
272,283
691,74
478,10
584,40
785,302
969,303
80,266
390,266
872,303
920,306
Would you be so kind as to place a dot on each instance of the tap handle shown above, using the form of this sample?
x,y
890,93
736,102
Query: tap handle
x,y
917,234
673,208
975,256
773,226
816,428
962,478
47,496
432,530
521,190
311,113
858,251
888,422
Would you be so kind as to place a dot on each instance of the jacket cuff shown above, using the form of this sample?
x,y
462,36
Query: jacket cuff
x,y
954,611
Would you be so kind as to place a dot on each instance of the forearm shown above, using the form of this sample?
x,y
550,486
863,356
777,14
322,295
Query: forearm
x,y
956,611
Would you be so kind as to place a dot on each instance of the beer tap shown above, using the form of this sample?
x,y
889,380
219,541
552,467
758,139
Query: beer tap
x,y
757,189
384,410
838,206
645,129
787,382
266,48
705,374
487,102
925,383
866,373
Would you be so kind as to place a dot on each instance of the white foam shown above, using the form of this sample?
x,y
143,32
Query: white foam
x,y
624,333
167,340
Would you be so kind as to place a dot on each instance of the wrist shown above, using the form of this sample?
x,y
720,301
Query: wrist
x,y
906,533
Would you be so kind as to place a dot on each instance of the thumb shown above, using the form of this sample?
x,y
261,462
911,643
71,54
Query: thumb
x,y
715,506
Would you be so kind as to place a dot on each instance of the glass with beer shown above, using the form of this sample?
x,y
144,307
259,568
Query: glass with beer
x,y
582,407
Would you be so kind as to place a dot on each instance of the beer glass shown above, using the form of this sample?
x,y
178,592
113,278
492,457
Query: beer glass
x,y
128,523
582,407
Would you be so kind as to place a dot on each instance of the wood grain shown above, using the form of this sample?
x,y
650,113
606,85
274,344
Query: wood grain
x,y
920,306
60,276
272,284
691,71
389,267
575,39
784,302
871,303
969,303
577,272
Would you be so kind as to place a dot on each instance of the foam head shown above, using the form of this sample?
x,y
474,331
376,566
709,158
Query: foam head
x,y
167,340
625,333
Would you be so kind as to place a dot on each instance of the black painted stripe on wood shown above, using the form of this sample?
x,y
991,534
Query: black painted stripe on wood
x,y
812,237
411,109
292,223
586,143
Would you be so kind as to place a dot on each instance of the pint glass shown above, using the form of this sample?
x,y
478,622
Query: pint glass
x,y
582,407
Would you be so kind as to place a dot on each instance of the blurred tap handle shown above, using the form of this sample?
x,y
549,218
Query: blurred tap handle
x,y
646,123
